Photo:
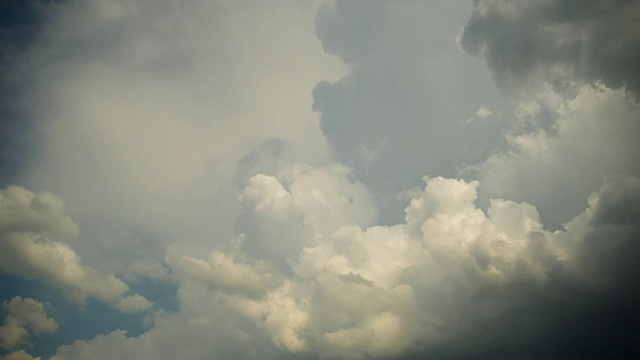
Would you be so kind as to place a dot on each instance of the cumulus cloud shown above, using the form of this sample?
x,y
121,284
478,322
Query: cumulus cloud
x,y
182,139
24,316
559,41
446,275
317,199
29,224
561,149
225,272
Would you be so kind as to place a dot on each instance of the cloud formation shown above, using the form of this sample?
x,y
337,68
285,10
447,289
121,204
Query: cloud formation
x,y
24,316
378,200
559,41
580,140
450,273
407,90
29,222
19,355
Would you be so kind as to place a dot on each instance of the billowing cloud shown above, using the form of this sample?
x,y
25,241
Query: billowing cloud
x,y
318,200
580,140
29,222
378,199
408,89
450,273
24,316
559,41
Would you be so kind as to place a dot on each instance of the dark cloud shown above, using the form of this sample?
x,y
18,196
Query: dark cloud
x,y
20,23
351,40
521,41
618,203
587,309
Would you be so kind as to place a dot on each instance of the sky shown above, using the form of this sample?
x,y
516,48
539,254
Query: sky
x,y
319,179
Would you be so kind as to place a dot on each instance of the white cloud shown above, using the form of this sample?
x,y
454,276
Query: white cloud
x,y
316,201
175,131
556,167
29,221
25,316
19,355
227,273
372,291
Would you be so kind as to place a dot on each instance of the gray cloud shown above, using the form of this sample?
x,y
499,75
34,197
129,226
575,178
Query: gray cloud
x,y
401,111
181,137
451,274
593,135
560,41
585,309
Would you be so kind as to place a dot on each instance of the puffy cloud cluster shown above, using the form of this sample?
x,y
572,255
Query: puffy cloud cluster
x,y
307,203
560,41
28,229
580,140
448,274
24,316
376,291
182,139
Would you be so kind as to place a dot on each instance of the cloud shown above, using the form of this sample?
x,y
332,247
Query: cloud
x,y
610,234
407,90
225,272
29,223
24,315
558,41
144,111
450,273
317,199
561,149
356,292
19,355
182,139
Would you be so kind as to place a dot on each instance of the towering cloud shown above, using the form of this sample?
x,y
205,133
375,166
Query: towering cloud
x,y
401,111
451,273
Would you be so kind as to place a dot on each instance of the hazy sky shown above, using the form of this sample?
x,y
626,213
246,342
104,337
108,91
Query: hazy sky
x,y
362,179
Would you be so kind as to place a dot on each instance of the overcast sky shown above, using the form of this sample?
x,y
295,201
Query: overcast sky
x,y
362,179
